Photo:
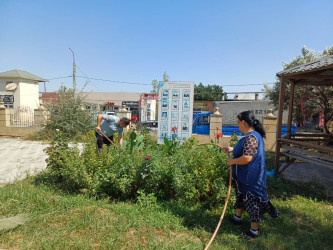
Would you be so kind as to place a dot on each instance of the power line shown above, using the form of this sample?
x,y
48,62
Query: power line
x,y
239,85
138,83
106,80
59,78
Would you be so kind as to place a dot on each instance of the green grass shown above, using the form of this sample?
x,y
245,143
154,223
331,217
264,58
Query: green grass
x,y
64,221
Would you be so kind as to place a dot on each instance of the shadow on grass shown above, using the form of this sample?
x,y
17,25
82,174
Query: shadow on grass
x,y
278,187
303,223
198,216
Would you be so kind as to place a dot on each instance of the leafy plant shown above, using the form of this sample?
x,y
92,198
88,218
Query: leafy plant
x,y
135,142
65,165
170,171
144,129
146,200
171,145
233,139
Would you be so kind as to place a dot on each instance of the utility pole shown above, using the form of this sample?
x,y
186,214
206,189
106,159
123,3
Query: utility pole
x,y
74,72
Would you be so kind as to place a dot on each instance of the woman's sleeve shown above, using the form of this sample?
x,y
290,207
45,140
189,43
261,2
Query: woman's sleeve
x,y
250,146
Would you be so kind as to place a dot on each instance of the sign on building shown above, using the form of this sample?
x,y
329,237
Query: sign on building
x,y
175,110
131,104
7,98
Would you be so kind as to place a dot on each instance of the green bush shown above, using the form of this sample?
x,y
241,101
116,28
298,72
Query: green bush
x,y
189,174
233,139
68,115
65,165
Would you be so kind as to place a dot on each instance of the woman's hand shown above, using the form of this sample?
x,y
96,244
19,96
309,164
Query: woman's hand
x,y
227,150
230,161
98,128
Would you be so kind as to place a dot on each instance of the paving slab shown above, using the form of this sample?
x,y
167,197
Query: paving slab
x,y
310,172
13,222
20,157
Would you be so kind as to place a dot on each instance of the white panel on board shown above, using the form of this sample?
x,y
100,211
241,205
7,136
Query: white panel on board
x,y
175,110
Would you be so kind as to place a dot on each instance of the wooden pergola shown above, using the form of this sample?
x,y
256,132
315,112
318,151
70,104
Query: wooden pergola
x,y
300,146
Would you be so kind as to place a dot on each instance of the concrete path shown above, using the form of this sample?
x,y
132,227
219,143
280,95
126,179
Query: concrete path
x,y
309,172
19,157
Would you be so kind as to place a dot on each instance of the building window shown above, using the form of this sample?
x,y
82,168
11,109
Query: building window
x,y
8,105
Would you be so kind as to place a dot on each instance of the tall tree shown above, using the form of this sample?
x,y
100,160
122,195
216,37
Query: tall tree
x,y
155,87
208,93
166,77
309,99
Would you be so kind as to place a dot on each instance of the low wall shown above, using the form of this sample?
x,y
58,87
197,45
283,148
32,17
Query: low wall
x,y
17,131
269,122
40,116
224,141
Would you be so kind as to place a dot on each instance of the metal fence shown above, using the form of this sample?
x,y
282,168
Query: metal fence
x,y
22,117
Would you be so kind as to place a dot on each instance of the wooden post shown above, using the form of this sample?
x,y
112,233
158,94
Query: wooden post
x,y
291,105
279,125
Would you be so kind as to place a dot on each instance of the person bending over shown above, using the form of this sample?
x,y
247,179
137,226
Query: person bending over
x,y
109,124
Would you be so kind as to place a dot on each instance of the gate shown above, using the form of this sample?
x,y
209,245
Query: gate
x,y
23,117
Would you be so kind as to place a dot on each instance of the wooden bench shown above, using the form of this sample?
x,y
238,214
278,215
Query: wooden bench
x,y
298,150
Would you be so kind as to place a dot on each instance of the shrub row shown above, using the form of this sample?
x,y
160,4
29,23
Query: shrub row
x,y
187,173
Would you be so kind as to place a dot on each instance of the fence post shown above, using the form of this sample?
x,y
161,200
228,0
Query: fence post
x,y
4,116
269,122
41,115
215,124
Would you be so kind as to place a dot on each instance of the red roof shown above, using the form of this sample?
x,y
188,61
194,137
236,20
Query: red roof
x,y
49,98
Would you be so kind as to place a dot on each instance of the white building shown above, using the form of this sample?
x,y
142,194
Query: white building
x,y
148,103
19,88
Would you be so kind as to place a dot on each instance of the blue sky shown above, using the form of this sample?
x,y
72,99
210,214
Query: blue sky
x,y
214,42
